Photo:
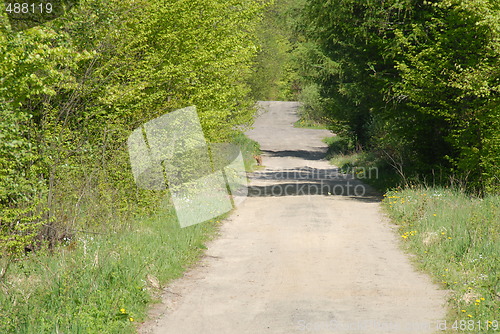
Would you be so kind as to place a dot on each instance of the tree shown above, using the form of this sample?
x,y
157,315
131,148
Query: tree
x,y
413,80
74,88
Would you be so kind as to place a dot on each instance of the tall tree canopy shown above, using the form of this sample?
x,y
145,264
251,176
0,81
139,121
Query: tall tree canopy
x,y
72,89
417,81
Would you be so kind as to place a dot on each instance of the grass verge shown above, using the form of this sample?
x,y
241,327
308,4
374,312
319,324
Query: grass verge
x,y
308,124
99,283
103,283
363,165
456,240
248,148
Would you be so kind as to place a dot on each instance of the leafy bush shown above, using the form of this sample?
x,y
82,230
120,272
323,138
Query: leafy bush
x,y
73,89
415,82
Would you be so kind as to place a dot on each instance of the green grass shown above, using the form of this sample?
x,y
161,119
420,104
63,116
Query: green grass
x,y
249,148
456,240
337,145
82,287
364,165
308,124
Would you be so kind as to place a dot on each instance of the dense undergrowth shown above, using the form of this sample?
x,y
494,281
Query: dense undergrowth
x,y
415,81
99,283
362,164
74,89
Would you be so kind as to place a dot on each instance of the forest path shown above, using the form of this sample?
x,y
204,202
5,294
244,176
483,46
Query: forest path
x,y
294,259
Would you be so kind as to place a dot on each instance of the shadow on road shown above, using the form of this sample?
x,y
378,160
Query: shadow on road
x,y
307,155
309,181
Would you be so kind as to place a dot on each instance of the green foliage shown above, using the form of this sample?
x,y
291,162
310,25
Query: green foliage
x,y
338,146
450,81
248,148
275,71
310,108
415,82
100,283
349,41
364,165
19,228
73,89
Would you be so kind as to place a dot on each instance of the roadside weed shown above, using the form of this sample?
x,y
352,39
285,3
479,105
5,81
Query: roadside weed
x,y
104,284
456,239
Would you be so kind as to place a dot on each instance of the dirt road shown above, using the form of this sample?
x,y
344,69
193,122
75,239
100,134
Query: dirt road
x,y
303,254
